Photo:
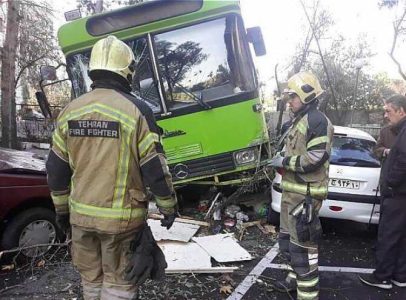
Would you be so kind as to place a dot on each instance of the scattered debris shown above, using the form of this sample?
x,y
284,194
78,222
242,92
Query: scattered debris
x,y
228,223
223,247
252,223
232,210
226,289
8,267
41,263
178,232
270,228
241,217
214,208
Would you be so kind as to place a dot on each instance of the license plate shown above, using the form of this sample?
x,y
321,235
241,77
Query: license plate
x,y
344,183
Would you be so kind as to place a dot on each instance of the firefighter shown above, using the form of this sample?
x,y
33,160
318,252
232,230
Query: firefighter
x,y
304,184
105,159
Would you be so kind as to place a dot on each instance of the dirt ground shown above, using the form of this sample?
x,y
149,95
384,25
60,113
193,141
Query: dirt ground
x,y
344,244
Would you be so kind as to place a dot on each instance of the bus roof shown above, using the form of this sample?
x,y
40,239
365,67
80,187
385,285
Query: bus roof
x,y
124,23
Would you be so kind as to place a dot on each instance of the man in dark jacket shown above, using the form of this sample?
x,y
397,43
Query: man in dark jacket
x,y
390,253
385,142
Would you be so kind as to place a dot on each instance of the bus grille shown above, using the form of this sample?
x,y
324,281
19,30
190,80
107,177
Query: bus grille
x,y
202,166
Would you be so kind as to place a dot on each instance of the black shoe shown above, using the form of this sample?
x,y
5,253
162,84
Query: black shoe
x,y
398,283
371,280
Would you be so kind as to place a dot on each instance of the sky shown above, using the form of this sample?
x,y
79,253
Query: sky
x,y
282,23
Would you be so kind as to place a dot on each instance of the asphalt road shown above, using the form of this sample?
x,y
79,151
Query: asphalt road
x,y
344,245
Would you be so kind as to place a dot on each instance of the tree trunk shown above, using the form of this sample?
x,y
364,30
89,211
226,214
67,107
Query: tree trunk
x,y
8,66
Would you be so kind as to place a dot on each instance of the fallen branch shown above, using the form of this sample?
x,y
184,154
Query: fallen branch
x,y
19,249
180,220
9,288
250,224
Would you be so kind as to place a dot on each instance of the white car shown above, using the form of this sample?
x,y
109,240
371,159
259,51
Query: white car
x,y
353,179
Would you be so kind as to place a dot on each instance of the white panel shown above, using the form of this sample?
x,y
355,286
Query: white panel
x,y
223,247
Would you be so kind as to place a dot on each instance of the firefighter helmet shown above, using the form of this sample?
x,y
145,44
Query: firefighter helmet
x,y
305,85
111,54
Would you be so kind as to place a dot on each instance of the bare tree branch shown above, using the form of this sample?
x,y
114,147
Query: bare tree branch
x,y
19,249
321,56
397,30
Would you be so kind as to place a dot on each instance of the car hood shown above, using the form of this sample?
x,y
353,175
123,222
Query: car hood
x,y
14,161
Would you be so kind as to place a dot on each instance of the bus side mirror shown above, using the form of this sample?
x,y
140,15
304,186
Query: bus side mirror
x,y
48,73
43,104
254,35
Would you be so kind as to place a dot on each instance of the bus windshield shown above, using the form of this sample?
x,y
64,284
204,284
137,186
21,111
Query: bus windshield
x,y
206,61
197,64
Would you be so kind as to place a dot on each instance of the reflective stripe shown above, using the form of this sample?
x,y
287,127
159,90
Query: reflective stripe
x,y
122,170
119,294
60,199
314,255
114,114
316,141
105,212
302,189
146,143
292,275
59,142
307,295
313,261
165,203
301,127
308,283
292,162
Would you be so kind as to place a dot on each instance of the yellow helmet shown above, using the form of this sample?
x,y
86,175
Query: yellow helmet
x,y
305,85
111,54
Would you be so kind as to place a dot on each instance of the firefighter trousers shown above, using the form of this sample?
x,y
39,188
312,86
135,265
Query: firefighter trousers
x,y
300,253
101,259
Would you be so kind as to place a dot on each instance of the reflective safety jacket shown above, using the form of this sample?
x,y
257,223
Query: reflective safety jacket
x,y
307,154
106,153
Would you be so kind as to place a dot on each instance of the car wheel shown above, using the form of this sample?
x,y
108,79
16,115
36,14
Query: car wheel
x,y
31,227
274,217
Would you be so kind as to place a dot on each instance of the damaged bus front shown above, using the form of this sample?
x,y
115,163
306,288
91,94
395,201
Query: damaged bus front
x,y
194,69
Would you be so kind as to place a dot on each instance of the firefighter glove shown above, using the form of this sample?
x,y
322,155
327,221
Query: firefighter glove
x,y
168,220
158,270
141,263
169,214
62,221
276,161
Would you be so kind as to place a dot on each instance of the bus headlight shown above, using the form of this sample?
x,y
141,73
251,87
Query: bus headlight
x,y
246,156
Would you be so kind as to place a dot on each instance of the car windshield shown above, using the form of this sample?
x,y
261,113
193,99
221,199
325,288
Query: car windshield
x,y
354,152
20,160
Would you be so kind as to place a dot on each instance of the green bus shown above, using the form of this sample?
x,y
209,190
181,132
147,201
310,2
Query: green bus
x,y
194,69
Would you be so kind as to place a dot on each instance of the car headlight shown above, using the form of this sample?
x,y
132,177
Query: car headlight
x,y
246,156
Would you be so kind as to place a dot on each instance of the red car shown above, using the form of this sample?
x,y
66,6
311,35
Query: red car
x,y
27,215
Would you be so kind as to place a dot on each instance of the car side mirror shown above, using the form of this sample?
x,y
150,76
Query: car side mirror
x,y
254,35
43,104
